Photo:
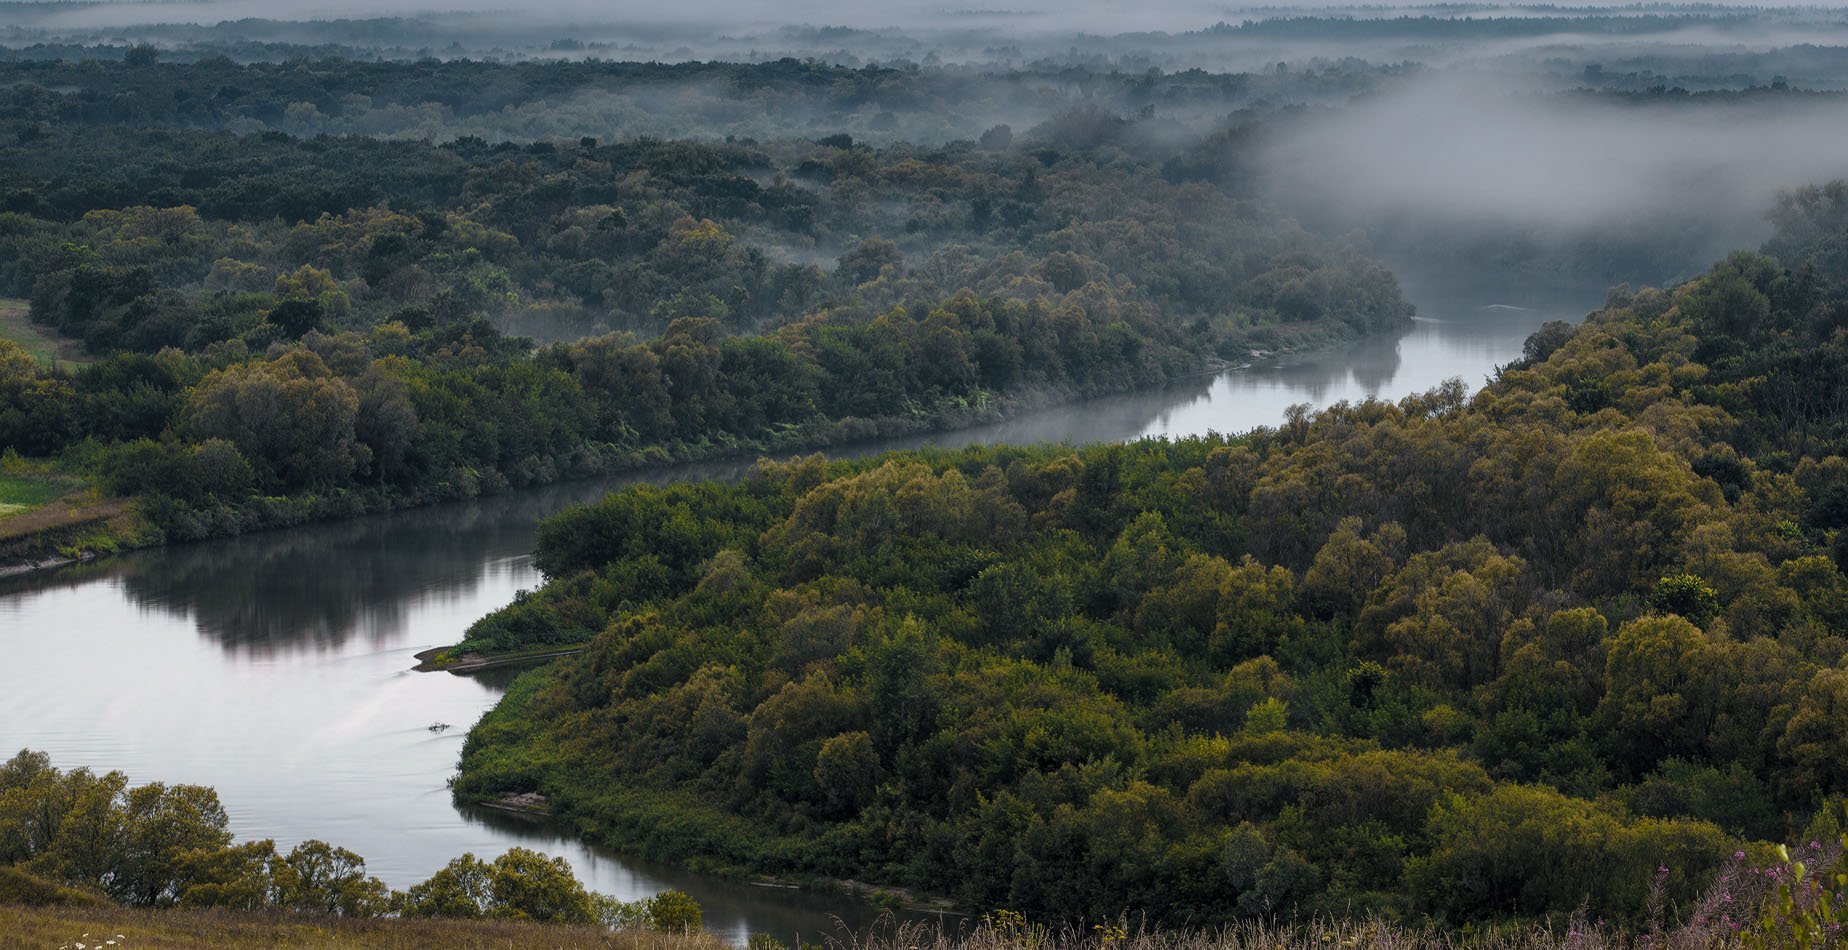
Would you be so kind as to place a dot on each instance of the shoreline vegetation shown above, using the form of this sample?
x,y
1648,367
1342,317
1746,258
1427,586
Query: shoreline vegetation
x,y
442,659
51,518
85,524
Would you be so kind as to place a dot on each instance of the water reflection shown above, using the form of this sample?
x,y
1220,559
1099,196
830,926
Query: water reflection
x,y
261,595
316,586
1463,336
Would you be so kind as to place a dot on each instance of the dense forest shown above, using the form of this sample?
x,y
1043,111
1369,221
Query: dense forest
x,y
288,328
1564,655
1459,658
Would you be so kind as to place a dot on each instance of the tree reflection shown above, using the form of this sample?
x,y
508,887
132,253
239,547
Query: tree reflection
x,y
319,586
1109,419
1373,363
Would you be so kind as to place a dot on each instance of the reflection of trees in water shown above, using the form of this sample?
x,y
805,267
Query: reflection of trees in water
x,y
319,585
1373,364
1376,364
1107,419
1460,320
499,679
60,578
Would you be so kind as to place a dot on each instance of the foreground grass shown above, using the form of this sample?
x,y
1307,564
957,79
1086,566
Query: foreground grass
x,y
1004,931
133,929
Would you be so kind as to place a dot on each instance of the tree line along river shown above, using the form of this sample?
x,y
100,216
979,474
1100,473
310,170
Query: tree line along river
x,y
277,667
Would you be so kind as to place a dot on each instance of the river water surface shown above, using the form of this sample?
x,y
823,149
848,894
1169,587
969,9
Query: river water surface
x,y
277,667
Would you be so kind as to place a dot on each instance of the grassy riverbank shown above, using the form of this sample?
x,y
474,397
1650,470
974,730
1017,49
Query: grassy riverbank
x,y
20,494
49,516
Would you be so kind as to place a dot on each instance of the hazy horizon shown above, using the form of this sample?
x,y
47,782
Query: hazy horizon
x,y
1100,17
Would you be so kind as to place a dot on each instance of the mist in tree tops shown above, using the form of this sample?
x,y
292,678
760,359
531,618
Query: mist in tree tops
x,y
1576,141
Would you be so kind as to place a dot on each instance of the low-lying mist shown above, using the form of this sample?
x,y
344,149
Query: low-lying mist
x,y
1598,142
1431,163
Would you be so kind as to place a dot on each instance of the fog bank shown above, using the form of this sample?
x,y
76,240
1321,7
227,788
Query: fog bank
x,y
1465,155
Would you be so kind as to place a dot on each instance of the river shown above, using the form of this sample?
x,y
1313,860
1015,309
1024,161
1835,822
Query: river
x,y
276,667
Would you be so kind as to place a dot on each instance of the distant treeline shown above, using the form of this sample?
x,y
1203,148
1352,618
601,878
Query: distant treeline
x,y
441,99
1182,126
294,327
1488,23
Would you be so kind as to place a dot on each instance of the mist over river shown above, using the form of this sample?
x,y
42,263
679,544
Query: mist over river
x,y
277,667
